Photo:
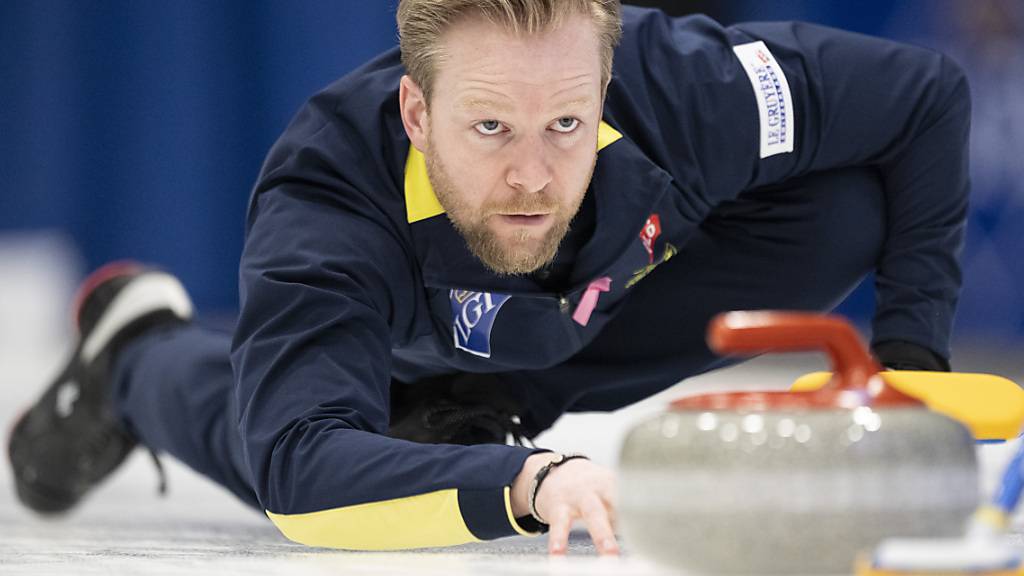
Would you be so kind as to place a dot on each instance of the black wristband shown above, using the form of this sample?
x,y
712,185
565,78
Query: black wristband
x,y
902,355
538,479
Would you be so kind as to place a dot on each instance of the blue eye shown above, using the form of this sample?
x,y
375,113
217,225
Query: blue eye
x,y
489,127
566,124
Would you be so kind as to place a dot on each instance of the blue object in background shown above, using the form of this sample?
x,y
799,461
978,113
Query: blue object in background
x,y
138,128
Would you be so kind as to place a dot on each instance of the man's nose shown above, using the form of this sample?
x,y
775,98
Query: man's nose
x,y
529,170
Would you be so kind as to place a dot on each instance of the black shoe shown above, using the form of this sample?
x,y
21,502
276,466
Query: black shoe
x,y
70,440
462,409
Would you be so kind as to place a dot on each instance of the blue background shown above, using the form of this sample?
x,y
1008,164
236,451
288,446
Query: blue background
x,y
137,128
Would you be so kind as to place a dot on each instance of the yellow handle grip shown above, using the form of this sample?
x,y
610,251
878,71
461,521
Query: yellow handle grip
x,y
991,407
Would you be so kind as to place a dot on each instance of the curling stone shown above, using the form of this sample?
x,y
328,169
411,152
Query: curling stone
x,y
792,482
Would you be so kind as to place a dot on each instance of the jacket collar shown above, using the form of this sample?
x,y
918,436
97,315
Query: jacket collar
x,y
625,187
420,201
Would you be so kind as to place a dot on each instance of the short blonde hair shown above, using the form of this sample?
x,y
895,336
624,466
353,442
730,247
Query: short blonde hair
x,y
422,23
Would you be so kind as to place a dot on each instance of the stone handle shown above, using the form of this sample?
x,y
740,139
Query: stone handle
x,y
751,333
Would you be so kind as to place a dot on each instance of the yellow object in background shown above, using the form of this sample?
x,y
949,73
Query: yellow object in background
x,y
991,407
865,568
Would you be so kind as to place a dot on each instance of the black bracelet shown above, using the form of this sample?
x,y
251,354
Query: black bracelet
x,y
539,478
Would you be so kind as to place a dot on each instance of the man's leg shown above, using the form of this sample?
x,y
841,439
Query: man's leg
x,y
174,391
71,438
140,373
800,246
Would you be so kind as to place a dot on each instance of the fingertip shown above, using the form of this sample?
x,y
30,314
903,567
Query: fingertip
x,y
609,547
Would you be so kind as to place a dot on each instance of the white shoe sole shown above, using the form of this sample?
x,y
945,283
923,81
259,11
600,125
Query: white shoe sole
x,y
150,292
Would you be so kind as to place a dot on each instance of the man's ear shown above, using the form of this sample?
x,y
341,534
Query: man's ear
x,y
414,112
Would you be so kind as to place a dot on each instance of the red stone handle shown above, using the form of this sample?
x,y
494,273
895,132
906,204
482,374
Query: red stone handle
x,y
749,333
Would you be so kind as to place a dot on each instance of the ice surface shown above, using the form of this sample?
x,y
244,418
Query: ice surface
x,y
125,528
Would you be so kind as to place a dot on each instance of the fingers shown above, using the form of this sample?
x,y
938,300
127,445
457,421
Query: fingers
x,y
583,491
600,527
558,534
608,499
613,518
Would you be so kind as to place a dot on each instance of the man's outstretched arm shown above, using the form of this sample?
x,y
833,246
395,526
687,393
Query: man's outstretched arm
x,y
320,285
757,104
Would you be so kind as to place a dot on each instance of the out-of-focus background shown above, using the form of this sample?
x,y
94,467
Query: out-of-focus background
x,y
136,129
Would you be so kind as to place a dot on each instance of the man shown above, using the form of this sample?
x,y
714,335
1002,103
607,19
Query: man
x,y
467,238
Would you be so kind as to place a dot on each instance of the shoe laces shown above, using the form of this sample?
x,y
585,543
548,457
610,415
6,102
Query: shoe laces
x,y
161,473
519,433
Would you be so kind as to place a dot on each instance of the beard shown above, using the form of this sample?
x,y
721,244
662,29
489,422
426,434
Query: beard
x,y
526,250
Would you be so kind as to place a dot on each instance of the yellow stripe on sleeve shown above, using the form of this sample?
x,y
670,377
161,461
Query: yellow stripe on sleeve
x,y
511,517
421,521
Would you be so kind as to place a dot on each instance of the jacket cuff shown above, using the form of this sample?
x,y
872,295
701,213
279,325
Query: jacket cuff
x,y
902,355
488,514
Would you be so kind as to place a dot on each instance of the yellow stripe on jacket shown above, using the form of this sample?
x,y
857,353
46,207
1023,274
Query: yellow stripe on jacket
x,y
421,521
421,202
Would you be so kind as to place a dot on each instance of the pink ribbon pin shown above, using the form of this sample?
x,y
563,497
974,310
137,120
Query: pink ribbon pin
x,y
589,301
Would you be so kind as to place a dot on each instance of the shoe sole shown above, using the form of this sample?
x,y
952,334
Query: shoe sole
x,y
150,292
98,278
93,281
43,501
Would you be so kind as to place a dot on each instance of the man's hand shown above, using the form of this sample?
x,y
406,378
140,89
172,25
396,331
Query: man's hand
x,y
576,490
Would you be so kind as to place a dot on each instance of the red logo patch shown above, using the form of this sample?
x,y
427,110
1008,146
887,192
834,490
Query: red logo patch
x,y
650,233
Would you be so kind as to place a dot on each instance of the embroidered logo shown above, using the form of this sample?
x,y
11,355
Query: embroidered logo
x,y
649,233
774,99
642,273
473,316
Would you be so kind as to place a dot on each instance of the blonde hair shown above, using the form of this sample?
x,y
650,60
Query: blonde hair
x,y
422,23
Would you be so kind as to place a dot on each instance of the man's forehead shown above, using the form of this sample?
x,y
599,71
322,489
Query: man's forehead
x,y
474,100
481,62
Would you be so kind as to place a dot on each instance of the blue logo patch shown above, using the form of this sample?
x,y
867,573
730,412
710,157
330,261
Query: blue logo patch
x,y
473,316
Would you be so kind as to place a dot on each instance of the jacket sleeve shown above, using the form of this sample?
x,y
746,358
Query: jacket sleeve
x,y
758,104
322,280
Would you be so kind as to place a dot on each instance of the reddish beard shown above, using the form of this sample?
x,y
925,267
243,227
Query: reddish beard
x,y
524,252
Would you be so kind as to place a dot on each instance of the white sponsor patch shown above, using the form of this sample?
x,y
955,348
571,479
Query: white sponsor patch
x,y
774,101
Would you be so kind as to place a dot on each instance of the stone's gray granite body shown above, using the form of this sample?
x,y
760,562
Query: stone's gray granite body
x,y
792,492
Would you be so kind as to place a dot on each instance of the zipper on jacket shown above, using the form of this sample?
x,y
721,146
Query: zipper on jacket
x,y
563,304
561,297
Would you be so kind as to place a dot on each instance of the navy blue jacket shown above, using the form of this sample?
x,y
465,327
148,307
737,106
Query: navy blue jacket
x,y
352,275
